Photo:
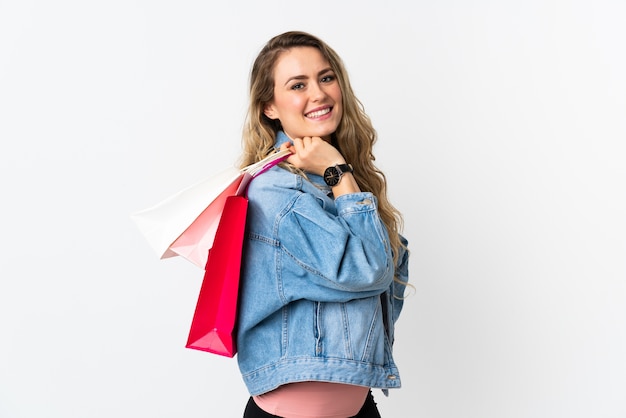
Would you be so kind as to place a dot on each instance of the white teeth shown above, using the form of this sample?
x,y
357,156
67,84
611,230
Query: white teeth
x,y
318,113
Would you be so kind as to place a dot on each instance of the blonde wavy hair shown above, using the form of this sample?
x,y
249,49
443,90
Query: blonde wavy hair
x,y
354,138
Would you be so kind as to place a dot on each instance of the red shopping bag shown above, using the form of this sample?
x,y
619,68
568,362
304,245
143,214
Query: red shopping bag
x,y
215,317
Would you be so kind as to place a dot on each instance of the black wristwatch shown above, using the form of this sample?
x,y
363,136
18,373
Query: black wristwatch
x,y
333,174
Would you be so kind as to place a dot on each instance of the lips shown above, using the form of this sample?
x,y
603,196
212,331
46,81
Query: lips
x,y
318,113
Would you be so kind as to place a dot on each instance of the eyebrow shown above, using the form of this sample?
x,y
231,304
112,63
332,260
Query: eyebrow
x,y
303,77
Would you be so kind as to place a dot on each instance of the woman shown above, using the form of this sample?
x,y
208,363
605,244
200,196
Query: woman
x,y
324,267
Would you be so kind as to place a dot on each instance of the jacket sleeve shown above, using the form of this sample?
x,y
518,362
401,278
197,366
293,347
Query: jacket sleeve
x,y
334,257
398,286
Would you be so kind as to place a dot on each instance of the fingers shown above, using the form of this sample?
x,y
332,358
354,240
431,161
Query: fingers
x,y
308,148
301,144
313,154
308,143
286,145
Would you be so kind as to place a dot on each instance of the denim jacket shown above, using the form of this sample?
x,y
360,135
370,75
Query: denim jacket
x,y
317,295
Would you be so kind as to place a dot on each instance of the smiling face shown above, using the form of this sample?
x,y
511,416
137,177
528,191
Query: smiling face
x,y
307,96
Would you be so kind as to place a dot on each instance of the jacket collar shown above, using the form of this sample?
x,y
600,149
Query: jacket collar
x,y
281,137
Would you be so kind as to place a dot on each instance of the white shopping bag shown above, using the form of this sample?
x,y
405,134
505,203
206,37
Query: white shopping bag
x,y
185,224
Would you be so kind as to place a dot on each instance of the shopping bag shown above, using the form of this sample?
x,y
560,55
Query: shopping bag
x,y
185,223
194,242
213,325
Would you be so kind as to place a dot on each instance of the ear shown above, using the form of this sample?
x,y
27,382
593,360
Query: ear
x,y
269,111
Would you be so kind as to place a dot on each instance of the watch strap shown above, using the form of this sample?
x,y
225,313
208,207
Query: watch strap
x,y
344,168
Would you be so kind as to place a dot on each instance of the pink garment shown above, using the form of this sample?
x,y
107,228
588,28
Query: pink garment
x,y
313,400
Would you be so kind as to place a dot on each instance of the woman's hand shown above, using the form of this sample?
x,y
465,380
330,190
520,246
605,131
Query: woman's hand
x,y
313,154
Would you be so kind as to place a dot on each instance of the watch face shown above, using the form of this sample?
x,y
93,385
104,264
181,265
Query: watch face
x,y
331,176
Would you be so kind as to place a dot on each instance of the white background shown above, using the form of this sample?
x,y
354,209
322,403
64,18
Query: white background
x,y
502,129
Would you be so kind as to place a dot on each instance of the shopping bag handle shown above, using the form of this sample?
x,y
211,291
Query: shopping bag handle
x,y
269,162
260,167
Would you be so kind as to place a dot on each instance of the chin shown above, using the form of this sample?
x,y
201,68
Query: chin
x,y
313,128
324,132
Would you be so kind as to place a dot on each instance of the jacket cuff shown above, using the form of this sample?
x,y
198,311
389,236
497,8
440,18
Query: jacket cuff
x,y
356,202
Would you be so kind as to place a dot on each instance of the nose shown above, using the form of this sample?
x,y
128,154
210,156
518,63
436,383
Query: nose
x,y
317,92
